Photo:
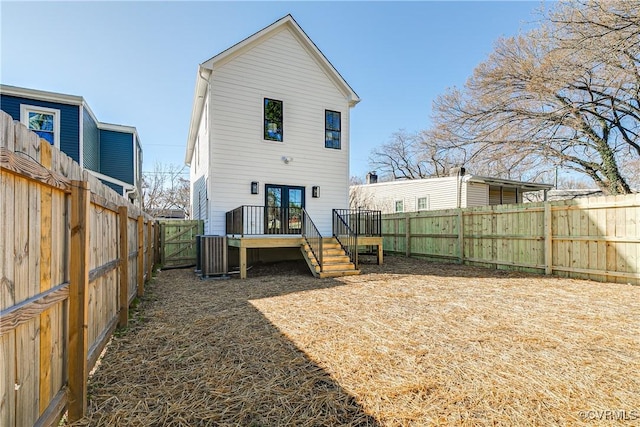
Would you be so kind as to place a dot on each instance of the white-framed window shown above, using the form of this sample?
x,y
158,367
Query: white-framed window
x,y
423,203
43,121
399,206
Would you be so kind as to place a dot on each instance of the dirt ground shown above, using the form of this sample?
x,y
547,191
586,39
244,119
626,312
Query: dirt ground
x,y
409,343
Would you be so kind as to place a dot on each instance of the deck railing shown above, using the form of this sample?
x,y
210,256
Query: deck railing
x,y
362,222
312,237
259,220
346,236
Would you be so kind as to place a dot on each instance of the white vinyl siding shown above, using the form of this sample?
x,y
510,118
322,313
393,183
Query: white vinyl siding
x,y
442,194
277,68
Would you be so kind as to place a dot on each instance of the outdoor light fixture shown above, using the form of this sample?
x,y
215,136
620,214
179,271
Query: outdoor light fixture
x,y
254,187
315,192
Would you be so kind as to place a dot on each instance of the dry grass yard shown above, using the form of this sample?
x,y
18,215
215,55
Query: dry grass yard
x,y
409,343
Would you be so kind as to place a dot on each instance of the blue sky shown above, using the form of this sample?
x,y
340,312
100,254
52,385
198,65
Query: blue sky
x,y
135,62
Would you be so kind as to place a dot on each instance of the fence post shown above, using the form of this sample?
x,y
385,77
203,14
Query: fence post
x,y
548,239
78,300
460,236
407,235
123,217
156,242
150,249
161,246
140,256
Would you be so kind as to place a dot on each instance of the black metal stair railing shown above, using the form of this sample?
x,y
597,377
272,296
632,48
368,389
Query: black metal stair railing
x,y
346,236
312,237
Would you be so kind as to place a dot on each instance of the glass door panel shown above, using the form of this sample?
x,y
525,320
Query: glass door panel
x,y
283,205
294,214
273,216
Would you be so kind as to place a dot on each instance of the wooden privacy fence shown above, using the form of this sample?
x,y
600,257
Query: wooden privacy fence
x,y
596,238
73,255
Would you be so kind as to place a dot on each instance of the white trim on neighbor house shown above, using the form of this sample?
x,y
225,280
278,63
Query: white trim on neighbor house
x,y
117,128
81,137
125,186
418,208
41,95
25,109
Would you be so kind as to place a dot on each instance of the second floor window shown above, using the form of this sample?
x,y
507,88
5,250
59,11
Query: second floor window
x,y
273,120
332,129
43,121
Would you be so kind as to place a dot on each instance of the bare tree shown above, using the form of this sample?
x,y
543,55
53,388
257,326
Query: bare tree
x,y
359,196
564,95
412,156
166,188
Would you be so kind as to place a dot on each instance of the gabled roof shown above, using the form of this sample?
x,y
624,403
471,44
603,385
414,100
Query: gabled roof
x,y
209,66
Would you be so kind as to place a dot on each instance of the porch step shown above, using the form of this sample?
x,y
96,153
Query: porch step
x,y
335,263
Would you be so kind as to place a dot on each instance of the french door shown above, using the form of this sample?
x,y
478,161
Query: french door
x,y
283,205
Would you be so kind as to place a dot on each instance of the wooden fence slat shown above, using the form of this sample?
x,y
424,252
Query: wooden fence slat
x,y
140,279
8,379
27,375
78,300
45,283
123,221
7,267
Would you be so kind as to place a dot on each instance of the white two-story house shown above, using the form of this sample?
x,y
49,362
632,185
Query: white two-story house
x,y
268,144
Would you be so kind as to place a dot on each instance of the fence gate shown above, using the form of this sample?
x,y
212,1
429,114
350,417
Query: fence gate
x,y
178,242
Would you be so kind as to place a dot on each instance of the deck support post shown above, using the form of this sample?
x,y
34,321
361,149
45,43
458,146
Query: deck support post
x,y
243,262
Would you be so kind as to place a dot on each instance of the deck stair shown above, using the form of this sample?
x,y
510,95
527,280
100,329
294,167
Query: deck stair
x,y
335,263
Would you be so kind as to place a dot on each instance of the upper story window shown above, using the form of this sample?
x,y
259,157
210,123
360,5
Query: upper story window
x,y
273,120
43,121
332,129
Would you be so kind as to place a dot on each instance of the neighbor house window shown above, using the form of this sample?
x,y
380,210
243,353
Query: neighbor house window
x,y
331,129
423,203
399,205
273,120
43,121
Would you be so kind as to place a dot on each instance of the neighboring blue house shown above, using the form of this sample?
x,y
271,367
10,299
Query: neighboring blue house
x,y
110,152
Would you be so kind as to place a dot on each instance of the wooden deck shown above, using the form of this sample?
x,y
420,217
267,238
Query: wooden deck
x,y
284,241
